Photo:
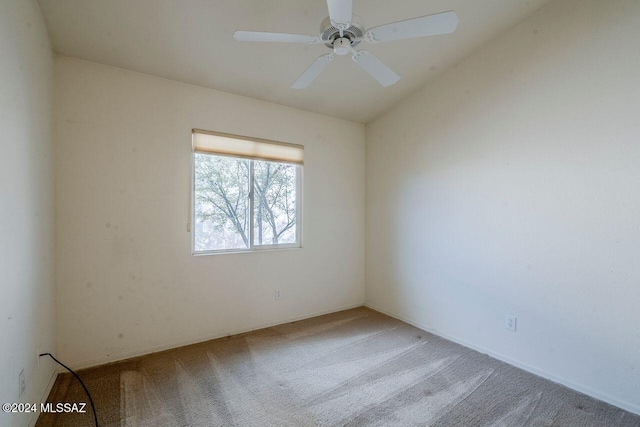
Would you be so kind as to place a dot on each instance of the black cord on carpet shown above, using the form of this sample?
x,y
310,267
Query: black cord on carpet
x,y
95,415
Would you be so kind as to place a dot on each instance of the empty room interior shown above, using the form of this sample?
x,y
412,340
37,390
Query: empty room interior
x,y
320,213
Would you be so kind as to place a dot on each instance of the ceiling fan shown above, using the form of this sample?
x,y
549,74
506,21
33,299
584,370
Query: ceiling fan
x,y
342,31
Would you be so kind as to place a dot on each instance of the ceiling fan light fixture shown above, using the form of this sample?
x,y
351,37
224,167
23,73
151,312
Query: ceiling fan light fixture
x,y
342,46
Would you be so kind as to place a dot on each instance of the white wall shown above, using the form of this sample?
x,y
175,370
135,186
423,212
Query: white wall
x,y
511,184
27,306
127,282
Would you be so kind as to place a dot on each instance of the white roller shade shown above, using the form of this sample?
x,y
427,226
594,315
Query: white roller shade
x,y
249,148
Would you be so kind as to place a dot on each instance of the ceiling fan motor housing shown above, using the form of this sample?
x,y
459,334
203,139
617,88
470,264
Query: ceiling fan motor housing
x,y
329,33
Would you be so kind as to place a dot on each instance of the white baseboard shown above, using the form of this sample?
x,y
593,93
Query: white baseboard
x,y
627,406
155,349
44,397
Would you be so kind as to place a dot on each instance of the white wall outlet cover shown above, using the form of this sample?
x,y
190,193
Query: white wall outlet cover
x,y
278,294
510,322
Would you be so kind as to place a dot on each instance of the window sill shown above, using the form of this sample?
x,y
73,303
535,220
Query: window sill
x,y
248,251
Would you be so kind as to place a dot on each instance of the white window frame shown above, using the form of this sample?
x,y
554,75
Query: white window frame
x,y
252,247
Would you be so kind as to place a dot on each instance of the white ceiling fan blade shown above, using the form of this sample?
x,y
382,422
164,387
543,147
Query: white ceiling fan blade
x,y
340,11
376,68
257,36
312,72
431,25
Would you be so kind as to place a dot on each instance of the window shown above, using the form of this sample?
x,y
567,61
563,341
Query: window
x,y
246,193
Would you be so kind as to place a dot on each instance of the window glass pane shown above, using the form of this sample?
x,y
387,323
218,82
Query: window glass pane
x,y
221,199
274,213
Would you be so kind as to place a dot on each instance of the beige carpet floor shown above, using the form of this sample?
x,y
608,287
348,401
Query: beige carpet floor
x,y
352,368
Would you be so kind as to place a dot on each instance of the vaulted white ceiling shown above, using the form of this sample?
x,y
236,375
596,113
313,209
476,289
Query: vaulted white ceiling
x,y
191,41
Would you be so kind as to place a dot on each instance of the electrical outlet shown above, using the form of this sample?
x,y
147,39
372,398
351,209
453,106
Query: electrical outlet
x,y
23,383
510,322
278,294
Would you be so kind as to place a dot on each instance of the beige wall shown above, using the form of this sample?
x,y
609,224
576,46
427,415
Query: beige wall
x,y
127,282
27,305
511,185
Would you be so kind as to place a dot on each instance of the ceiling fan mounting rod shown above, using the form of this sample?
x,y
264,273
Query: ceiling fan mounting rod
x,y
340,27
